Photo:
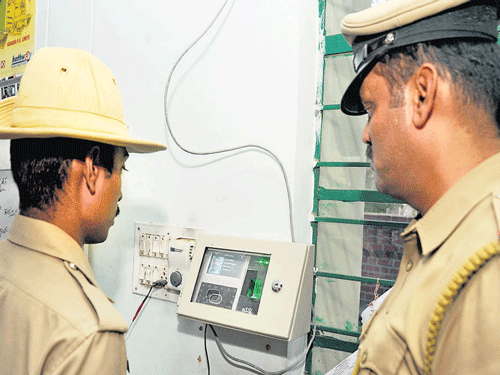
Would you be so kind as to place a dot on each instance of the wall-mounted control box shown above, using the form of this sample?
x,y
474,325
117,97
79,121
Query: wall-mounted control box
x,y
257,286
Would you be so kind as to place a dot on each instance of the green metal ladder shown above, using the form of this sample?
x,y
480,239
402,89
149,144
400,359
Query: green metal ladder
x,y
337,46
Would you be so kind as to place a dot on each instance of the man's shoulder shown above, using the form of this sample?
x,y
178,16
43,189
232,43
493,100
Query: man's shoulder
x,y
41,284
61,321
107,316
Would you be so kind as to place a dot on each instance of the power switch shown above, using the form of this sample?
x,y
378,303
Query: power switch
x,y
176,278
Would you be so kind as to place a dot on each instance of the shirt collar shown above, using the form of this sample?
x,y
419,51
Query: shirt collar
x,y
445,215
47,238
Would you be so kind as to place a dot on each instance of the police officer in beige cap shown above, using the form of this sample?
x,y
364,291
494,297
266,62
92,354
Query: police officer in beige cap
x,y
428,76
69,144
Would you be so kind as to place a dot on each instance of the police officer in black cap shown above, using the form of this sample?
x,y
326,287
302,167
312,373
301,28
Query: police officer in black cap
x,y
428,76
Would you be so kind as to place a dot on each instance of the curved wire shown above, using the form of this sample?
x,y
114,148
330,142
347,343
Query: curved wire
x,y
234,361
226,150
206,349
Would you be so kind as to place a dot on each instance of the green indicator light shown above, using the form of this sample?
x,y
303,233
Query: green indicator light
x,y
263,261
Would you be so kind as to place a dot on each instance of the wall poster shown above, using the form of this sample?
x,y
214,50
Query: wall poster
x,y
17,38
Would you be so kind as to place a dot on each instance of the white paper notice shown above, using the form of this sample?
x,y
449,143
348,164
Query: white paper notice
x,y
346,366
9,201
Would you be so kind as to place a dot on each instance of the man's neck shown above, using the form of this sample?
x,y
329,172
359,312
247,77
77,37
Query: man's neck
x,y
64,221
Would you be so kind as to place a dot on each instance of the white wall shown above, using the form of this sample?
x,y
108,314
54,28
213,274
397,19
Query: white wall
x,y
250,80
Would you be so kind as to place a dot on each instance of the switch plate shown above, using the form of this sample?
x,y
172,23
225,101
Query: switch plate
x,y
152,260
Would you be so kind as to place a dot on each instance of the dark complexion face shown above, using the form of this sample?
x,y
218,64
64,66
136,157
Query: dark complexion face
x,y
386,135
108,195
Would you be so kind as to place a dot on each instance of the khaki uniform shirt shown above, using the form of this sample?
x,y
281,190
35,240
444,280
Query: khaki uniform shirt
x,y
464,219
54,319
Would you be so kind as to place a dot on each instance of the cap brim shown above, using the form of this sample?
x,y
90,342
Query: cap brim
x,y
351,100
9,130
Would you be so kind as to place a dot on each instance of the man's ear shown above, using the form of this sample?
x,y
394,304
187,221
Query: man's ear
x,y
425,82
91,172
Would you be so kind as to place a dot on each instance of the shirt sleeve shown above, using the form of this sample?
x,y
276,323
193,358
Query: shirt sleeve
x,y
468,342
101,353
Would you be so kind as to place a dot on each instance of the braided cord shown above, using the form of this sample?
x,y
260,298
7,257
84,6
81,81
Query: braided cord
x,y
356,367
476,261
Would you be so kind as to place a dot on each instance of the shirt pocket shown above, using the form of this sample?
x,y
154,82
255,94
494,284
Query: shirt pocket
x,y
382,351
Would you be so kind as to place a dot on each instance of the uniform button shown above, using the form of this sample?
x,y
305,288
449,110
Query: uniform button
x,y
72,265
364,357
409,266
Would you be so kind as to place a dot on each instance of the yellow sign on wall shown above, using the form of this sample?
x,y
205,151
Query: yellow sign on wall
x,y
17,35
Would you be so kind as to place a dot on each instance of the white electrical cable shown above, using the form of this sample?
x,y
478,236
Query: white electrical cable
x,y
245,365
245,147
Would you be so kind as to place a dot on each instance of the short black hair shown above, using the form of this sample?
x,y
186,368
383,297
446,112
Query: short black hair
x,y
472,66
40,166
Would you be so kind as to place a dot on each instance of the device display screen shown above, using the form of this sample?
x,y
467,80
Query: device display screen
x,y
231,279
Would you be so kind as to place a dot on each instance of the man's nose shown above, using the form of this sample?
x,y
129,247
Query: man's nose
x,y
366,135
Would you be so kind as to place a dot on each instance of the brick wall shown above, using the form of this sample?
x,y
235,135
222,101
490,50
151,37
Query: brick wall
x,y
382,253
